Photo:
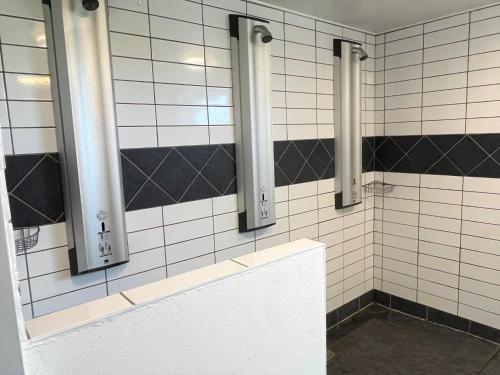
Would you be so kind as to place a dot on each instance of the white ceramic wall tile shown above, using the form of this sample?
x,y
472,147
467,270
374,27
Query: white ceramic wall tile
x,y
33,32
27,87
27,114
177,9
130,45
25,59
139,262
34,140
191,264
128,22
171,29
64,301
137,137
447,22
265,12
180,94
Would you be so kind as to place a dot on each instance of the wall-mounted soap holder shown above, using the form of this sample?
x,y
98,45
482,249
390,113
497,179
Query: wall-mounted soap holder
x,y
378,187
26,238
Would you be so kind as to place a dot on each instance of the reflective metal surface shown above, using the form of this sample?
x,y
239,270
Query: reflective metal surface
x,y
82,90
348,137
251,68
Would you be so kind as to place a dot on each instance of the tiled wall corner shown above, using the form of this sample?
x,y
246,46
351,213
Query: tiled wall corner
x,y
435,234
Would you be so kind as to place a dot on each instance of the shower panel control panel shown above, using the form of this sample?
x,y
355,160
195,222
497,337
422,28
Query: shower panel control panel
x,y
104,236
264,211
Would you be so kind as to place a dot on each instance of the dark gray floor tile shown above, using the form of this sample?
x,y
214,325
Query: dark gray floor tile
x,y
493,367
380,341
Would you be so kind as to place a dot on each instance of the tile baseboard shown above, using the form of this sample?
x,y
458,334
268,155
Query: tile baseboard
x,y
415,309
436,316
349,309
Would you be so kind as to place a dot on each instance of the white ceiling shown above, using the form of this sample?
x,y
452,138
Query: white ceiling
x,y
379,15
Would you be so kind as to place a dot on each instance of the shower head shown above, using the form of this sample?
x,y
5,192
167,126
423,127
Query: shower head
x,y
90,4
265,34
361,52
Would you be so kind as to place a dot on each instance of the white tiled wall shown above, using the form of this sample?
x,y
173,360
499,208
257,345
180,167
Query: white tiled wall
x,y
172,77
440,77
437,243
436,237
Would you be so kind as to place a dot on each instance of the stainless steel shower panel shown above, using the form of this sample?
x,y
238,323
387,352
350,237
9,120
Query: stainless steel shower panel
x,y
80,67
348,138
251,70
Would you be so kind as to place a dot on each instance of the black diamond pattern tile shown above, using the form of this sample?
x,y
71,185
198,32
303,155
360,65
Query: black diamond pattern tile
x,y
406,143
304,161
467,155
306,175
424,155
291,162
41,189
330,170
198,155
146,159
149,196
220,170
445,167
17,167
24,216
496,156
405,165
230,148
489,168
445,142
133,179
306,146
388,154
279,148
279,178
489,142
319,160
368,154
175,175
232,188
329,144
199,189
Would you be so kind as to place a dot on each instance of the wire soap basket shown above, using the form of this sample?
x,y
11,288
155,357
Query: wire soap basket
x,y
26,238
378,187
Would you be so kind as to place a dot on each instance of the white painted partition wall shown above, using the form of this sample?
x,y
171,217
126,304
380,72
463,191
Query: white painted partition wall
x,y
263,313
11,319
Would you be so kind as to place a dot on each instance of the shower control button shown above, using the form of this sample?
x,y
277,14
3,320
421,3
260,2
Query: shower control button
x,y
264,214
104,243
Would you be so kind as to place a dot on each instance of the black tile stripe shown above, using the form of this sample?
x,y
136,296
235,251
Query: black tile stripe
x,y
160,176
475,155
